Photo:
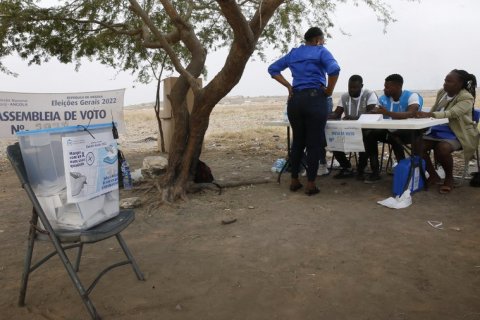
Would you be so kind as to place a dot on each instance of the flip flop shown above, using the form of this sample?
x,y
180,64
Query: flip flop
x,y
311,192
295,187
444,189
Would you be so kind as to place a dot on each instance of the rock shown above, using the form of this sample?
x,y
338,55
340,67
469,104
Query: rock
x,y
130,203
154,166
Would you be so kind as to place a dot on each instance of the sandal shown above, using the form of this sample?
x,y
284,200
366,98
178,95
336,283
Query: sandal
x,y
444,189
311,192
295,187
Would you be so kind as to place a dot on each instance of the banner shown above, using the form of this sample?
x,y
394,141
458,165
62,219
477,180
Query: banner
x,y
344,138
91,165
32,111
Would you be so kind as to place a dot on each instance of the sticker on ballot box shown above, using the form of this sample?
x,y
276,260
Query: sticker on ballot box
x,y
344,138
91,165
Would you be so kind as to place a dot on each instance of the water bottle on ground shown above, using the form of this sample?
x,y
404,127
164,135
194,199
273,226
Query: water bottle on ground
x,y
127,178
278,165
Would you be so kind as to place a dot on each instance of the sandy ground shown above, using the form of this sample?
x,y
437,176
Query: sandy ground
x,y
337,255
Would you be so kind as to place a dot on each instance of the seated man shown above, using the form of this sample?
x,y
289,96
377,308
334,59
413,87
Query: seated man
x,y
396,103
355,102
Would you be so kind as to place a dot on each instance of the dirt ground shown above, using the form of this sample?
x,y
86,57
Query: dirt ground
x,y
336,255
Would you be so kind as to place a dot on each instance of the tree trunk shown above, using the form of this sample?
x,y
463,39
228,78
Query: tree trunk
x,y
190,130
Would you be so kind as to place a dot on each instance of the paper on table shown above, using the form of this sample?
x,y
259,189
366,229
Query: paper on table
x,y
370,117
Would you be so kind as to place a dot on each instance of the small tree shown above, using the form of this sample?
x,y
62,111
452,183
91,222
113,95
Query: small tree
x,y
137,35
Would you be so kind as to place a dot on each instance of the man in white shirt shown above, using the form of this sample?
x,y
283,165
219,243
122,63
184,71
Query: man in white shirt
x,y
352,104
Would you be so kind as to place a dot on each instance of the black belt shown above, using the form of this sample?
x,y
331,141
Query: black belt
x,y
310,91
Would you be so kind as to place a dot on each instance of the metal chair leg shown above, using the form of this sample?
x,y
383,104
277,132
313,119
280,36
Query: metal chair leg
x,y
130,257
76,281
381,157
331,162
79,256
28,259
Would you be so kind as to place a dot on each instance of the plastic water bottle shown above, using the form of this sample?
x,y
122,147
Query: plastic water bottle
x,y
127,178
278,165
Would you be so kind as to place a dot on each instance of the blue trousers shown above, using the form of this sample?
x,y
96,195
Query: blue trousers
x,y
307,113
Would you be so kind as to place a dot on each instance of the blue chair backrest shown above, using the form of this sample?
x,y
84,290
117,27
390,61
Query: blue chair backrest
x,y
476,115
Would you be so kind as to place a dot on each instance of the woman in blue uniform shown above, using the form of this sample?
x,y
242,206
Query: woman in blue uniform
x,y
315,72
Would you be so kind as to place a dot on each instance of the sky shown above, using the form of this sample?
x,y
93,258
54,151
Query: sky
x,y
429,38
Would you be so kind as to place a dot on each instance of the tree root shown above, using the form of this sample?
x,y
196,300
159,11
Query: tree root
x,y
219,186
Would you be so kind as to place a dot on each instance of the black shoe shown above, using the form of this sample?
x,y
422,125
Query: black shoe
x,y
295,187
372,178
344,173
311,192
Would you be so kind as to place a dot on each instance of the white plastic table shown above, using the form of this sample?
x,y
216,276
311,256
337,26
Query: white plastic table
x,y
404,124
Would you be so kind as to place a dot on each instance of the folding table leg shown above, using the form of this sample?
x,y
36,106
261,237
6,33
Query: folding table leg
x,y
130,257
28,259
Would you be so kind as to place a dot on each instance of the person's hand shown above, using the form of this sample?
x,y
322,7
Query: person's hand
x,y
349,118
421,114
382,110
290,92
327,92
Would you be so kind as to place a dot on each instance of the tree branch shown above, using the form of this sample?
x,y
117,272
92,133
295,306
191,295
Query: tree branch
x,y
165,45
263,14
235,18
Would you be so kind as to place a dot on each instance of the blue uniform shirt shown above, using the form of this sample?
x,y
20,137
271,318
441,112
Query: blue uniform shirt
x,y
308,65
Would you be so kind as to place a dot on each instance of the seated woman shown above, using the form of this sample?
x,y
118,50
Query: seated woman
x,y
455,102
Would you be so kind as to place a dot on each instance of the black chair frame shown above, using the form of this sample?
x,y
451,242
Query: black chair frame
x,y
63,240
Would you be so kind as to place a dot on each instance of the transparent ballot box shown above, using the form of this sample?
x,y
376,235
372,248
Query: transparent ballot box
x,y
74,173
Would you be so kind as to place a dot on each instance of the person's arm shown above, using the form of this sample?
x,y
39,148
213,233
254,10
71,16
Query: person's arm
x,y
371,108
463,106
460,108
333,70
285,83
336,115
411,112
332,81
275,70
372,102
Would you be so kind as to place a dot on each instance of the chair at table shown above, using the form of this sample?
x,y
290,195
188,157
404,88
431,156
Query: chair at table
x,y
63,240
476,119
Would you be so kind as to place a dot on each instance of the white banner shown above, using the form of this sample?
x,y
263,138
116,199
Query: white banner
x,y
344,138
91,165
32,111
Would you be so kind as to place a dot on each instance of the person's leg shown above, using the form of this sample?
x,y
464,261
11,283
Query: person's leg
x,y
342,159
298,138
433,176
371,148
346,166
396,139
362,162
315,117
363,157
443,153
